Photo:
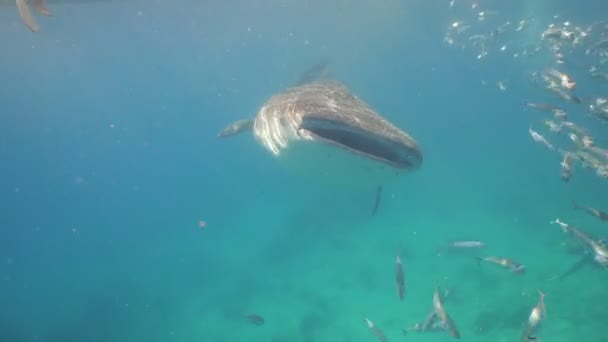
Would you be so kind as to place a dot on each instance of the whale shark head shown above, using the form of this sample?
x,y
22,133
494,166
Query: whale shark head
x,y
321,129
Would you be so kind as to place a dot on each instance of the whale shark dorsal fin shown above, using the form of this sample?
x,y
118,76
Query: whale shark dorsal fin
x,y
26,15
236,127
316,72
41,7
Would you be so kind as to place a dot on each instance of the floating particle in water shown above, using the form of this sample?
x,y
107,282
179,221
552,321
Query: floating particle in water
x,y
501,86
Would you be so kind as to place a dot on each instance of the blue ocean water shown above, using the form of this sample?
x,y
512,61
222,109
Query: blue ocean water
x,y
110,162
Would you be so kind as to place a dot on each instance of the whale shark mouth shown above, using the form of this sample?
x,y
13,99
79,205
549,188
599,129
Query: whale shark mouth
x,y
370,144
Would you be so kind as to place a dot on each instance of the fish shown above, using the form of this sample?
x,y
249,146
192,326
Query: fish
x,y
567,165
591,211
574,128
565,81
557,33
588,160
602,171
509,264
599,250
540,139
599,108
255,319
375,330
377,200
595,72
322,131
443,316
587,141
599,75
430,323
598,151
466,244
599,45
558,112
553,126
400,277
537,315
563,225
564,95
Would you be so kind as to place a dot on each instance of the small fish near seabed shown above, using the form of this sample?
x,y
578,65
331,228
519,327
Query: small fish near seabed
x,y
443,315
509,264
375,330
255,319
537,315
430,324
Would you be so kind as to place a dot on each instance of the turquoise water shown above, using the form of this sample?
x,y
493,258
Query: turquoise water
x,y
110,160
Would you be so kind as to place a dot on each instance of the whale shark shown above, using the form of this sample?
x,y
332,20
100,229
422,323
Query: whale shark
x,y
319,128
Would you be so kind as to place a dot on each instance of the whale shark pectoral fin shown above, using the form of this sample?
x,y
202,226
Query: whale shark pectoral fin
x,y
26,15
236,127
41,7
